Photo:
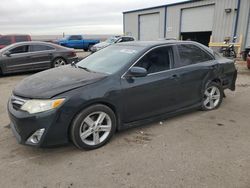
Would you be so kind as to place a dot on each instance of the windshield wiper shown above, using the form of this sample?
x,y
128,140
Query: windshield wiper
x,y
85,68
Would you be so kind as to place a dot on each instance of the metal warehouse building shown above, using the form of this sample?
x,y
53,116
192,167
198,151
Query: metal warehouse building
x,y
195,20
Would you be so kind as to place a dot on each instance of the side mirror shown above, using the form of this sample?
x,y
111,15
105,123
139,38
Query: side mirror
x,y
137,72
8,54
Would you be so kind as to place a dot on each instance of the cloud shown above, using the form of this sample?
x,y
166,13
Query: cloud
x,y
70,16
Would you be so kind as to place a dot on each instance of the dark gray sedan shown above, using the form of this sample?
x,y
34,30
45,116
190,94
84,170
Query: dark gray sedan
x,y
29,56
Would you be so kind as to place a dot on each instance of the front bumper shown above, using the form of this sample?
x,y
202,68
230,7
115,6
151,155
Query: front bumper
x,y
23,125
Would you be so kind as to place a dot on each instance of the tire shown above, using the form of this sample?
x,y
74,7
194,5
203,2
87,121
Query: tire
x,y
96,124
212,97
58,62
233,54
89,47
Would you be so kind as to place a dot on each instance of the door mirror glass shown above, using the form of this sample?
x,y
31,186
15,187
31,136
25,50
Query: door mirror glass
x,y
137,72
8,54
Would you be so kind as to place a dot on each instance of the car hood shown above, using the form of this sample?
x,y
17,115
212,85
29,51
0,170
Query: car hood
x,y
47,84
102,44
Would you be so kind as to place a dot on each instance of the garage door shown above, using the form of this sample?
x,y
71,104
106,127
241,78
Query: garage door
x,y
248,34
149,27
197,19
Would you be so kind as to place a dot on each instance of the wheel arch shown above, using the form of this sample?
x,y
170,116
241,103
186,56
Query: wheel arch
x,y
96,102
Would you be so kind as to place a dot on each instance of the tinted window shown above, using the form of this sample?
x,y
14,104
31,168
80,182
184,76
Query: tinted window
x,y
75,37
19,49
5,40
21,38
126,39
36,48
191,54
156,60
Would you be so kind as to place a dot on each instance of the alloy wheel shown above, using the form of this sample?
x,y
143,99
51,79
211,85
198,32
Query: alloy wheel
x,y
59,62
95,128
212,97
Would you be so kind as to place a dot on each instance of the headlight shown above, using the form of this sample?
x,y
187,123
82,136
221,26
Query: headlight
x,y
36,106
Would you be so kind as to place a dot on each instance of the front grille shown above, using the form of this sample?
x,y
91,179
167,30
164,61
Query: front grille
x,y
17,102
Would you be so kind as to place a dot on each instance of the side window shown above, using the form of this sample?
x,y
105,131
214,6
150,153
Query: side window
x,y
131,39
125,39
156,60
75,37
19,49
21,38
5,40
191,54
37,48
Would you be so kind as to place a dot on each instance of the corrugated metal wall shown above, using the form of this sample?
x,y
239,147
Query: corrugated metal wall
x,y
131,21
174,17
243,20
223,25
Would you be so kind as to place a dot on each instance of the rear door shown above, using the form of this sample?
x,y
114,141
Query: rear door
x,y
19,59
41,56
192,67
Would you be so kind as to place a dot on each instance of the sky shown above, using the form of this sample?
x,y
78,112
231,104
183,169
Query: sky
x,y
53,17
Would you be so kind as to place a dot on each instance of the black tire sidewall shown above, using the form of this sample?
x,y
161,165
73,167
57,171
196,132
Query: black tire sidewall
x,y
76,124
203,107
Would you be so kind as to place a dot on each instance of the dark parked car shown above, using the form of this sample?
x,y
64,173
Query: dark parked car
x,y
28,56
110,41
6,40
121,86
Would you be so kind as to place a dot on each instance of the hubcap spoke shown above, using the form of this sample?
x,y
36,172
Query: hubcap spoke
x,y
215,97
100,118
213,90
211,103
86,134
96,137
206,101
89,121
104,128
207,93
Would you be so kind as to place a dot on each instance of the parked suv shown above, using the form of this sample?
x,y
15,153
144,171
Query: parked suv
x,y
6,40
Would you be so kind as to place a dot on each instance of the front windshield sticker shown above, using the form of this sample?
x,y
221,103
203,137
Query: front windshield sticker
x,y
128,51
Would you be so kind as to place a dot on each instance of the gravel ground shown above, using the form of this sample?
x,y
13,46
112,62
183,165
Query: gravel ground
x,y
198,149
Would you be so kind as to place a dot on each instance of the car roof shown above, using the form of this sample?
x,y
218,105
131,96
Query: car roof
x,y
151,44
34,43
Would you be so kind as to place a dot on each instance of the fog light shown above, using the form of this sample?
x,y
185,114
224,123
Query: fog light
x,y
36,136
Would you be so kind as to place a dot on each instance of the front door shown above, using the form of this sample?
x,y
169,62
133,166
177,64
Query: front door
x,y
153,94
17,60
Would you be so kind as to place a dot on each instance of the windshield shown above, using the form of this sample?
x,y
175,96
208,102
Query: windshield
x,y
111,40
110,60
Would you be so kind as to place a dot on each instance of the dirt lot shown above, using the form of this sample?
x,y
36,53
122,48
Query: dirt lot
x,y
198,149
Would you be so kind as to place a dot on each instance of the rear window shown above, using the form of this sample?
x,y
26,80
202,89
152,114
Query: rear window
x,y
5,40
21,38
36,48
